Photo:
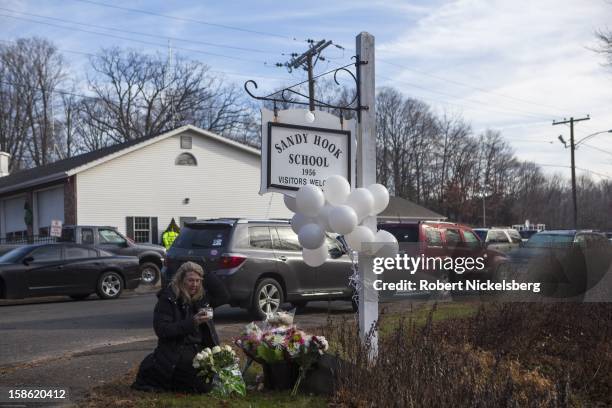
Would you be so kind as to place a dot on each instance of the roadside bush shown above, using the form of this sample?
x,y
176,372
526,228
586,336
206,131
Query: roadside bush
x,y
507,355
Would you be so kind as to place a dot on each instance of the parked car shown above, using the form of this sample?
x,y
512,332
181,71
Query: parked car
x,y
436,239
150,257
66,269
499,239
565,262
526,234
260,262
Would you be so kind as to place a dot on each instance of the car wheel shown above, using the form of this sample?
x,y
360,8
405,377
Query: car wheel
x,y
110,285
80,296
149,273
267,298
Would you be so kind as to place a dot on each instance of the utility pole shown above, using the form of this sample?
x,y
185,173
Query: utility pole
x,y
306,60
484,212
572,149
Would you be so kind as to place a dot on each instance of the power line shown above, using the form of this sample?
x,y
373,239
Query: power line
x,y
577,168
505,112
190,20
597,148
142,34
133,39
483,90
524,113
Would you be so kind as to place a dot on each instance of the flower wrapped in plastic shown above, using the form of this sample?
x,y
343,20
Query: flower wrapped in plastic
x,y
219,365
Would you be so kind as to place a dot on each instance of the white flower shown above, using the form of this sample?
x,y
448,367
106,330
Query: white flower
x,y
206,350
323,342
227,348
196,365
199,356
277,340
216,349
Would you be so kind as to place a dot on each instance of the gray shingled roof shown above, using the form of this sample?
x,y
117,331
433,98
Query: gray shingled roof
x,y
402,209
61,166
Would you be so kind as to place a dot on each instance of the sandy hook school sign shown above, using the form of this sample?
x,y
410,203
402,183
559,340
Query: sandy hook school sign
x,y
297,151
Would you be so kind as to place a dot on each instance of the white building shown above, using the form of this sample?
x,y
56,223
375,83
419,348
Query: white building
x,y
139,186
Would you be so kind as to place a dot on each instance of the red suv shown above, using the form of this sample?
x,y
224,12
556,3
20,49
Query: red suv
x,y
435,239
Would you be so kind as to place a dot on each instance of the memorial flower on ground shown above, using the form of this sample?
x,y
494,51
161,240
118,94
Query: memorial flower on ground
x,y
219,365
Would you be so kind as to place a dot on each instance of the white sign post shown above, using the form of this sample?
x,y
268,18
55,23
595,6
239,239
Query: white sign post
x,y
56,228
366,175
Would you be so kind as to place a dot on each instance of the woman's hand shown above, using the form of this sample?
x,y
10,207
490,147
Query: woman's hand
x,y
200,317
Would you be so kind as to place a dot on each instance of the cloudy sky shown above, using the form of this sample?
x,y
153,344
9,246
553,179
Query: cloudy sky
x,y
510,65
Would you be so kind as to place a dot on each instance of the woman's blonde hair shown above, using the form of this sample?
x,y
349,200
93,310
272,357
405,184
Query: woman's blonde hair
x,y
178,282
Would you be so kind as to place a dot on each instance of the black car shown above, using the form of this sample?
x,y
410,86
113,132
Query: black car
x,y
109,239
566,262
66,269
260,263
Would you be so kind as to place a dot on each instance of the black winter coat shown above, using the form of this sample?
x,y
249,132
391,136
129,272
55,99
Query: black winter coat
x,y
179,339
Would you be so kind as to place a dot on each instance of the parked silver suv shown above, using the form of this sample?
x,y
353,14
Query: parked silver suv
x,y
260,262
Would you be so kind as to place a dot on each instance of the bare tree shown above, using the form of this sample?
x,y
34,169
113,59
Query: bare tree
x,y
141,95
604,39
34,68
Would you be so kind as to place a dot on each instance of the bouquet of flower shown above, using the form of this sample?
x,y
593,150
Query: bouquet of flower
x,y
276,344
219,365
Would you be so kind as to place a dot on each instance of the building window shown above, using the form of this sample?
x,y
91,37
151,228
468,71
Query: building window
x,y
185,142
142,229
16,236
186,159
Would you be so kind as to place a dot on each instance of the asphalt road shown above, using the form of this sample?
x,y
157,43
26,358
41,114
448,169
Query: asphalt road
x,y
34,330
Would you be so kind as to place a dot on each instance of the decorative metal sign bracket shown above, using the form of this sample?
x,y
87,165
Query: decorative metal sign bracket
x,y
288,94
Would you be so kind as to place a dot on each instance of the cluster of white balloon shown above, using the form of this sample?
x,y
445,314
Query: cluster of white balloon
x,y
338,209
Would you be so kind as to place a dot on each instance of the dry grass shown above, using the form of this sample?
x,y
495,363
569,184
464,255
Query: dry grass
x,y
504,355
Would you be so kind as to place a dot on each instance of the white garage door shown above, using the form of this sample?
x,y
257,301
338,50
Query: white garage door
x,y
50,206
13,214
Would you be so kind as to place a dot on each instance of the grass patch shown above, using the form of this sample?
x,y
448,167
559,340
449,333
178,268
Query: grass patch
x,y
119,394
419,316
253,399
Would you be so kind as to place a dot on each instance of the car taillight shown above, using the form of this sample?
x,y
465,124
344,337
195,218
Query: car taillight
x,y
230,261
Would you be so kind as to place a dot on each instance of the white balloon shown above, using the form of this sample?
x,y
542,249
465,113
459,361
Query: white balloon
x,y
381,198
336,189
359,236
386,244
290,203
343,219
299,220
323,217
315,257
362,201
309,200
311,236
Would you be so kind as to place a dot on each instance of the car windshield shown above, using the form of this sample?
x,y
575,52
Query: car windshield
x,y
205,237
482,234
548,240
14,255
408,233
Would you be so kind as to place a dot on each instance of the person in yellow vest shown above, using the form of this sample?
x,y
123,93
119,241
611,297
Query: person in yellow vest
x,y
170,234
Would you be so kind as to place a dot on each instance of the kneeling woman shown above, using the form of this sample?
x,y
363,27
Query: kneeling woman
x,y
183,330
